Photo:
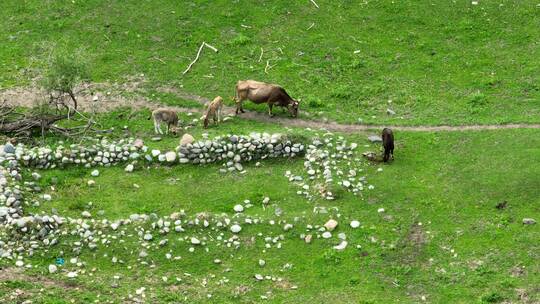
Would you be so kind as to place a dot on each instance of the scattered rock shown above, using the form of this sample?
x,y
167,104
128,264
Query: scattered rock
x,y
238,208
529,221
331,225
52,268
138,143
375,138
129,168
170,156
95,173
236,228
186,139
355,224
341,245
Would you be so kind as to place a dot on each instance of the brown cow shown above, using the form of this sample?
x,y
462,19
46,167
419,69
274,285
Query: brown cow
x,y
388,143
260,92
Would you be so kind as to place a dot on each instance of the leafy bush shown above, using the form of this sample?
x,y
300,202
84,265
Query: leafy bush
x,y
64,72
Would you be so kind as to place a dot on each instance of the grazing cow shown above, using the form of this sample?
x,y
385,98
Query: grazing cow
x,y
165,115
260,92
388,143
213,111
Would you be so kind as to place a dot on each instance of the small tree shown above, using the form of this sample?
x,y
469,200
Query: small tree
x,y
65,71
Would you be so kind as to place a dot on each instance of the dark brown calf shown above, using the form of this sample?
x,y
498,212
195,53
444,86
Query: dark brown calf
x,y
388,143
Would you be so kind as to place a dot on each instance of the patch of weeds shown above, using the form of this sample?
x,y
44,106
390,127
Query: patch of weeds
x,y
354,281
492,297
341,92
331,256
357,64
77,206
316,103
476,101
240,40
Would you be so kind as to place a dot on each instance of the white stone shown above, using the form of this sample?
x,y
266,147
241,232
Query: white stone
x,y
19,263
236,228
195,241
170,156
52,268
341,245
129,168
262,263
355,224
331,225
380,210
72,274
86,214
326,235
186,139
238,208
95,173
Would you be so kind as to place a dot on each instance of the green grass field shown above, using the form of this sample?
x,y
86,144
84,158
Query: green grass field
x,y
440,239
438,62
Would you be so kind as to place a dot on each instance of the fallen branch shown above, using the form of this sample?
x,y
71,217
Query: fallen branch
x,y
268,66
198,54
210,47
157,58
314,3
262,52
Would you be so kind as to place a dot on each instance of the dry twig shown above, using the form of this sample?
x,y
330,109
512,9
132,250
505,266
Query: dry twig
x,y
262,52
198,54
314,3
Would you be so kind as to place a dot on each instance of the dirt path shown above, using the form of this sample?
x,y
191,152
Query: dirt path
x,y
348,128
106,102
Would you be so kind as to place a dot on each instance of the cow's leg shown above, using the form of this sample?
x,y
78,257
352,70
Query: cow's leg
x,y
159,128
270,105
168,127
239,107
219,115
155,127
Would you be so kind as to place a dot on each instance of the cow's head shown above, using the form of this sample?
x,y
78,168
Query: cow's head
x,y
293,108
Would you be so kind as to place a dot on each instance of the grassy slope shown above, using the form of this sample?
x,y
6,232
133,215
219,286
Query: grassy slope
x,y
438,61
449,181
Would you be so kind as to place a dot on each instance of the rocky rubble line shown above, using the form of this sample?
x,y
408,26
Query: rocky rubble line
x,y
232,149
106,153
330,163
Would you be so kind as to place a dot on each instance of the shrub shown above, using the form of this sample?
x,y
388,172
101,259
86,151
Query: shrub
x,y
64,72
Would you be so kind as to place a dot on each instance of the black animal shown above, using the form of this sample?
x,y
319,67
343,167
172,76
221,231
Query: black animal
x,y
388,144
